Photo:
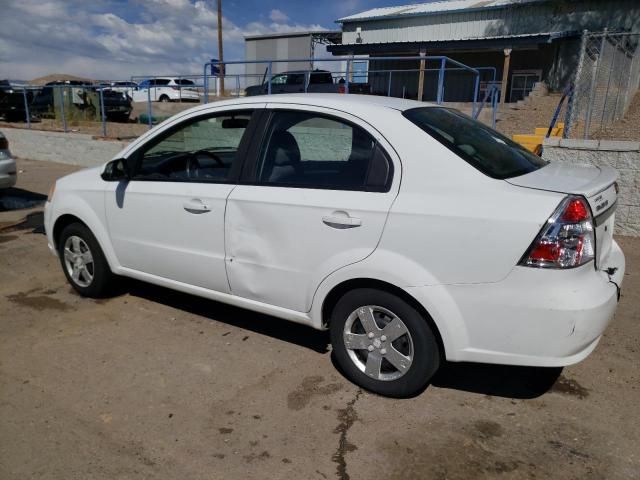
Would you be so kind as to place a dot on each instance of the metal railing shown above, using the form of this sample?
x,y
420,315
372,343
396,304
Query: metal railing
x,y
445,64
606,79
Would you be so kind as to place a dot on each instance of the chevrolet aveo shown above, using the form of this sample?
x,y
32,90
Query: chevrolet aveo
x,y
412,232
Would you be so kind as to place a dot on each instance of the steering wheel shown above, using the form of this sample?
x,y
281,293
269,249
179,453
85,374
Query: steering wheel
x,y
211,155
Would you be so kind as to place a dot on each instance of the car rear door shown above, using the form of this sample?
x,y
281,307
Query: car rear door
x,y
168,220
314,198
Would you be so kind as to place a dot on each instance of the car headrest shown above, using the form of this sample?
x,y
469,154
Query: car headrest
x,y
284,148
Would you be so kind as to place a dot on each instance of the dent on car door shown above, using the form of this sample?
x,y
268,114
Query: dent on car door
x,y
321,188
168,220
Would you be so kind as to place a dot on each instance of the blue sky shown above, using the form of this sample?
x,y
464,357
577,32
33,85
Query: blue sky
x,y
114,39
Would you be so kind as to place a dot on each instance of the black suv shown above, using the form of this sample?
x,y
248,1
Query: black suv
x,y
320,81
12,101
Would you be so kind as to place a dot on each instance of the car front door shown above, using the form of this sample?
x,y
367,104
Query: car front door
x,y
314,199
168,220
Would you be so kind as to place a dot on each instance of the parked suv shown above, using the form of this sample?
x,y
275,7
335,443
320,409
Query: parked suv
x,y
166,90
12,101
412,232
316,81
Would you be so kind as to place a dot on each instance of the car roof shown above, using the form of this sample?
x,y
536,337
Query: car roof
x,y
330,100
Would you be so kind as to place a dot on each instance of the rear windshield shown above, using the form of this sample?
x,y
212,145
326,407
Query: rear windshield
x,y
487,150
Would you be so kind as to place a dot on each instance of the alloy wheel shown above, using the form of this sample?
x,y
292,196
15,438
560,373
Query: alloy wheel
x,y
378,342
78,261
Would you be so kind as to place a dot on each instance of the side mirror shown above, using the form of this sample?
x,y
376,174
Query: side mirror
x,y
115,171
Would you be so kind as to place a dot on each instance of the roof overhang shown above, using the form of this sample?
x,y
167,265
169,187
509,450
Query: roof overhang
x,y
525,41
433,8
333,36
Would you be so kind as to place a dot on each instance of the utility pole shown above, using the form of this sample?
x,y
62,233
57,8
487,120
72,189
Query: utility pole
x,y
220,56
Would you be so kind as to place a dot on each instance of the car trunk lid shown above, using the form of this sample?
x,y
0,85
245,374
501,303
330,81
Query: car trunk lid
x,y
596,184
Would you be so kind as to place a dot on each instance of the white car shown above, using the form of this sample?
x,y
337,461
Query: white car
x,y
166,90
412,232
8,170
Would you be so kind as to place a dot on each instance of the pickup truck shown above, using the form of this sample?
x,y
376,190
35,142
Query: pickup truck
x,y
319,81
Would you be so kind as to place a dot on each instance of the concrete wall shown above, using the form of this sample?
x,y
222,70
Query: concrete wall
x,y
71,148
624,156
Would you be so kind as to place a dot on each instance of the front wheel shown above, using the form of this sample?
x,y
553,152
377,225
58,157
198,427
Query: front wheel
x,y
83,262
383,344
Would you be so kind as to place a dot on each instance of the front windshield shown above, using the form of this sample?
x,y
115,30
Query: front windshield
x,y
487,150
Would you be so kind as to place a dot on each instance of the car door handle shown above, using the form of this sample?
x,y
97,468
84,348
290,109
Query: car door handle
x,y
195,205
341,221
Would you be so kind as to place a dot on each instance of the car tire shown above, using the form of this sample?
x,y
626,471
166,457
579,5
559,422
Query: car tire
x,y
83,262
164,98
399,364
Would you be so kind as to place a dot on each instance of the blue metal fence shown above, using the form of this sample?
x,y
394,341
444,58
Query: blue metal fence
x,y
436,71
444,64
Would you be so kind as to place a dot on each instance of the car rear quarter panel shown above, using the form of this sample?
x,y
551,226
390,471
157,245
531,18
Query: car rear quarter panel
x,y
452,223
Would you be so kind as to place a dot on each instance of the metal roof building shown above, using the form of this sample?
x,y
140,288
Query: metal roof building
x,y
529,40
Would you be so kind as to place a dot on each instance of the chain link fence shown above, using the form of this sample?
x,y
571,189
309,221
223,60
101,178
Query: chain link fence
x,y
605,82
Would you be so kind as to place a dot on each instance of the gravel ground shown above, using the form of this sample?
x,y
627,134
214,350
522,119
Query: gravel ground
x,y
157,384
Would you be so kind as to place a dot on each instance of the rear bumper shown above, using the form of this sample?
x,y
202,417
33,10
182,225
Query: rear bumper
x,y
535,317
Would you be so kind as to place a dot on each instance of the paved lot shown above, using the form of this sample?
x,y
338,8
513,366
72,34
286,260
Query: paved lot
x,y
155,384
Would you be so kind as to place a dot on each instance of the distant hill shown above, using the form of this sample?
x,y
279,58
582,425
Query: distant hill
x,y
57,77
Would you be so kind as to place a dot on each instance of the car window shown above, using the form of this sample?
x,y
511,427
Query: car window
x,y
487,150
279,80
198,150
296,79
183,81
320,77
159,82
316,151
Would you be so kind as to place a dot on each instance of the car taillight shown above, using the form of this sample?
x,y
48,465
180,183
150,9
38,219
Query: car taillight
x,y
341,89
566,240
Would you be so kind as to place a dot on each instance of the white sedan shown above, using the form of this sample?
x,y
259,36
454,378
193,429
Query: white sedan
x,y
412,232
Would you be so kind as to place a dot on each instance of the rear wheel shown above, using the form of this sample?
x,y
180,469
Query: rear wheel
x,y
383,344
164,98
83,261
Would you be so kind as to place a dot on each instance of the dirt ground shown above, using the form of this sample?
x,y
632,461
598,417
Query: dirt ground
x,y
157,384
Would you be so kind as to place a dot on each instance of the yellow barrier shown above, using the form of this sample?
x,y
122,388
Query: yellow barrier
x,y
534,142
